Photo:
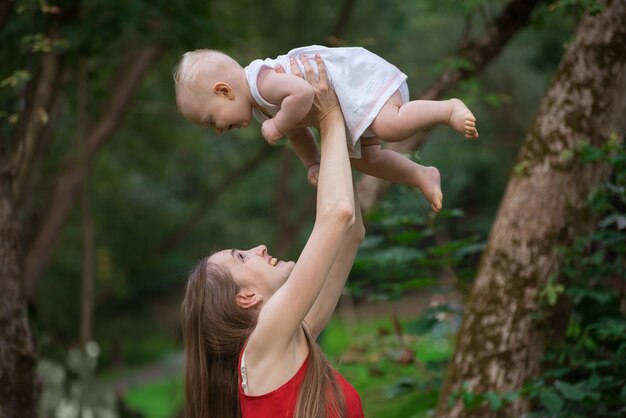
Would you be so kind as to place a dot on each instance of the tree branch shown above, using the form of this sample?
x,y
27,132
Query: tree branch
x,y
69,182
212,196
36,118
5,11
341,23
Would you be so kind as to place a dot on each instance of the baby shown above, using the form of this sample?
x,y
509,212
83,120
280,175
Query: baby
x,y
213,90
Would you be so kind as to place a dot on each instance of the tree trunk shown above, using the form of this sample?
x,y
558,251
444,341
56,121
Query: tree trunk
x,y
88,276
479,53
499,346
17,352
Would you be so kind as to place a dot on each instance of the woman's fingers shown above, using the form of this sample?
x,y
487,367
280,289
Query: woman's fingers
x,y
321,69
308,70
279,69
295,70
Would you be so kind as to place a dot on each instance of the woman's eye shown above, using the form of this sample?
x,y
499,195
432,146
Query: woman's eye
x,y
241,257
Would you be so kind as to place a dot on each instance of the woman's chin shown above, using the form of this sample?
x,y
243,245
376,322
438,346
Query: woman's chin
x,y
285,265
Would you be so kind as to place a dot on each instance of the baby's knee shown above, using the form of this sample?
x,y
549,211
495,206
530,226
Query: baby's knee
x,y
388,128
370,152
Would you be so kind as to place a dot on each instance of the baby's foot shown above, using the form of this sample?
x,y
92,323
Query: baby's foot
x,y
462,119
429,183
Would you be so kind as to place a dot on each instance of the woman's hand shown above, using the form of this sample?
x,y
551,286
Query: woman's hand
x,y
313,174
325,101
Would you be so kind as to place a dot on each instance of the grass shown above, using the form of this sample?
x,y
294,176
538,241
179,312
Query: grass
x,y
364,355
161,399
388,388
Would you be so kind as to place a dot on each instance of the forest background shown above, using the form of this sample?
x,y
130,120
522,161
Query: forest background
x,y
109,196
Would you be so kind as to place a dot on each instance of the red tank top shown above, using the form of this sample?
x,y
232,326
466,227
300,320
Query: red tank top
x,y
281,402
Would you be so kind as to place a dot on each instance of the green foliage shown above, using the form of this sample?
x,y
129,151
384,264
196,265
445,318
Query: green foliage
x,y
473,91
373,359
472,399
586,373
160,399
551,291
15,79
158,169
405,252
577,7
401,253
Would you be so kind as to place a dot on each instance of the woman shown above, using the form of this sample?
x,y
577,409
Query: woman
x,y
250,321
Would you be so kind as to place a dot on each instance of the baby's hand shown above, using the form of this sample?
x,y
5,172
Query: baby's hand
x,y
270,133
313,174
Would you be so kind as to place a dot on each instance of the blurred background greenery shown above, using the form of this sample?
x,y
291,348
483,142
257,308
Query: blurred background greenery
x,y
163,193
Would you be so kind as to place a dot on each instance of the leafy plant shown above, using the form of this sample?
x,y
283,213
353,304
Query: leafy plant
x,y
405,253
586,374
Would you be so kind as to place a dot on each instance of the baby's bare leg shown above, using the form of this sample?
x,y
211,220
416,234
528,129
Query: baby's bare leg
x,y
397,121
394,167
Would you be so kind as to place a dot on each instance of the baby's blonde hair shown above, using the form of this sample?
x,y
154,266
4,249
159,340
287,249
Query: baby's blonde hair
x,y
197,70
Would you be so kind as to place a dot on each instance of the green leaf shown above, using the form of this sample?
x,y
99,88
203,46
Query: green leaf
x,y
511,396
580,293
452,398
618,219
418,283
400,387
590,154
15,79
495,401
455,63
552,291
429,318
409,237
593,382
521,168
572,392
469,399
477,247
551,400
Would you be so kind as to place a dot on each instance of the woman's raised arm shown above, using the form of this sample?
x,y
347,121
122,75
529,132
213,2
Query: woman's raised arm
x,y
281,317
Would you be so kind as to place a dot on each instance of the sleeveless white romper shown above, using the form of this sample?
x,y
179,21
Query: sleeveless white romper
x,y
362,80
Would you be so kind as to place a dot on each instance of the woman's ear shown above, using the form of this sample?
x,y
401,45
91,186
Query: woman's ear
x,y
248,300
224,90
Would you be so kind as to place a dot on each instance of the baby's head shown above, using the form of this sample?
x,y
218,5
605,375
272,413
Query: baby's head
x,y
211,90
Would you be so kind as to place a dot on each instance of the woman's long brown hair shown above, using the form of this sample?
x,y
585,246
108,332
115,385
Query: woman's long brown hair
x,y
215,329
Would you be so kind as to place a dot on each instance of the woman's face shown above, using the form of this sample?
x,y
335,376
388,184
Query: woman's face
x,y
254,270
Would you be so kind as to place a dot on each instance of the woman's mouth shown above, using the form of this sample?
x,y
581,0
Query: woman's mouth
x,y
273,261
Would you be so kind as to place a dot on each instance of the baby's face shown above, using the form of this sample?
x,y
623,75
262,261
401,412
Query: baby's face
x,y
221,111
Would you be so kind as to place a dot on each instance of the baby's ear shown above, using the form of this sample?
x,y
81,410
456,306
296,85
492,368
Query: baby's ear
x,y
223,89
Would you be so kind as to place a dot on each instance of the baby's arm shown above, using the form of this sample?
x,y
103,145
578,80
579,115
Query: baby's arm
x,y
293,94
303,143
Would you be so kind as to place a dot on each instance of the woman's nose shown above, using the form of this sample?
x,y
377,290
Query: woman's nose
x,y
261,250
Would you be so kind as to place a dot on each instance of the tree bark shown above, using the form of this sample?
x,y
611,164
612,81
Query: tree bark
x,y
17,351
68,184
479,53
341,23
89,245
34,120
499,346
